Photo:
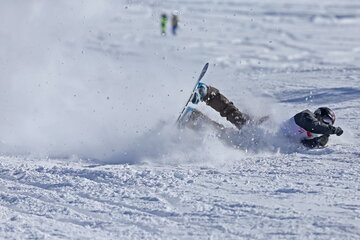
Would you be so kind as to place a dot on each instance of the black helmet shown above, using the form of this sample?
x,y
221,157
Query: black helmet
x,y
325,115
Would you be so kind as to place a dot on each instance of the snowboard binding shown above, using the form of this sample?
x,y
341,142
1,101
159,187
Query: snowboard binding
x,y
199,93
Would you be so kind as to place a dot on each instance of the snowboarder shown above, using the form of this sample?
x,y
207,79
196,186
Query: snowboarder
x,y
174,23
163,22
312,129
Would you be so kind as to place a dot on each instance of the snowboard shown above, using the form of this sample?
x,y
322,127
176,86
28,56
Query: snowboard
x,y
203,71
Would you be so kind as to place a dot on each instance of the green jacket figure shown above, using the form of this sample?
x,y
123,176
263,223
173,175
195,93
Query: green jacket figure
x,y
163,23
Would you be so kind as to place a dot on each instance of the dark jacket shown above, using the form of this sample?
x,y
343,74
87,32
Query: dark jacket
x,y
307,120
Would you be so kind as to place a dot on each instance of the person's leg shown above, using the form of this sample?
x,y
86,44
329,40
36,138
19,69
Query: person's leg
x,y
221,104
196,120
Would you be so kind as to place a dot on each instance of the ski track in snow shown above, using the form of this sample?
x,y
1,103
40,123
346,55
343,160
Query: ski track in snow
x,y
114,166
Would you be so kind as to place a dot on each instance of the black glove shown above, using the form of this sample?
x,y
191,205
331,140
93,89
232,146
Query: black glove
x,y
338,131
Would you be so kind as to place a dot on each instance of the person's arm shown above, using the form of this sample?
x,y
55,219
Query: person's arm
x,y
309,122
318,142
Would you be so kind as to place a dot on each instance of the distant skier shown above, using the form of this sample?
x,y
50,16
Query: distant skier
x,y
310,129
174,23
163,22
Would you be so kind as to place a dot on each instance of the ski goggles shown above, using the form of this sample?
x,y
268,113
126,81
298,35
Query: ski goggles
x,y
327,120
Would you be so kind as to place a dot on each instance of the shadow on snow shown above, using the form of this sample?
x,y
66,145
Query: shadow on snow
x,y
320,96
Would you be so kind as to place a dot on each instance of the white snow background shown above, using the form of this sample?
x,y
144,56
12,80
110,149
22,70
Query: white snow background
x,y
90,91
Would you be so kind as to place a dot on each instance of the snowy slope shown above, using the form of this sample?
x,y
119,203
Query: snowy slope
x,y
90,92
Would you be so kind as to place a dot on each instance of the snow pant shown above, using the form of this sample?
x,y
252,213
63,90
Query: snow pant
x,y
225,107
174,30
197,121
163,28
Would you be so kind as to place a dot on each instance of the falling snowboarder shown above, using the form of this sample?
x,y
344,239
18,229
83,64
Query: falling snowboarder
x,y
312,129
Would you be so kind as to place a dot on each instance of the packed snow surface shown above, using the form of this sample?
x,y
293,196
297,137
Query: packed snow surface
x,y
90,91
